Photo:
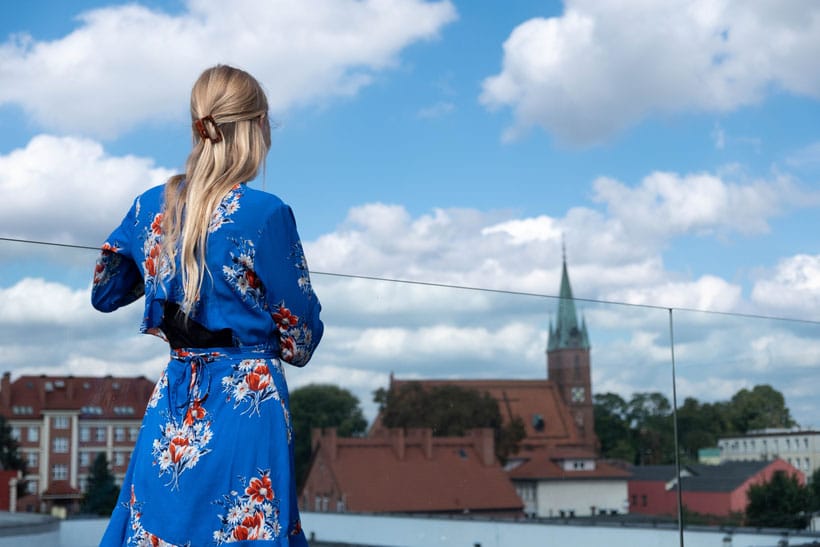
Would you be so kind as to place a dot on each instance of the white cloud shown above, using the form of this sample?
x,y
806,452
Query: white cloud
x,y
669,204
793,286
437,110
126,64
68,189
603,66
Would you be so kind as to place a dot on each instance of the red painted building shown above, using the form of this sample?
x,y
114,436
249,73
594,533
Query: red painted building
x,y
706,489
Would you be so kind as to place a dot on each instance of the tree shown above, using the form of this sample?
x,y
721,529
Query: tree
x,y
9,448
102,492
612,427
320,406
782,502
700,426
759,408
10,457
449,410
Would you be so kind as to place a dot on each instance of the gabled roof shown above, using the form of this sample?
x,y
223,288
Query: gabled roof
x,y
546,465
429,474
538,402
725,477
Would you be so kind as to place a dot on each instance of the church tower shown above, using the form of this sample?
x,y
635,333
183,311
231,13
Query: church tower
x,y
568,363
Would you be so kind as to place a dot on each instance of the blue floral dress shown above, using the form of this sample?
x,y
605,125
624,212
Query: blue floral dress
x,y
213,462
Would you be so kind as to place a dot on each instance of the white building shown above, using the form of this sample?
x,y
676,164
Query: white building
x,y
799,447
568,483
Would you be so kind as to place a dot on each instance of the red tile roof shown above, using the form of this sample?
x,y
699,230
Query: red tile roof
x,y
528,399
92,396
416,473
547,465
61,490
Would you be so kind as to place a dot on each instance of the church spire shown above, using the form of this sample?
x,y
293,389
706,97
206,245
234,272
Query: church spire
x,y
567,334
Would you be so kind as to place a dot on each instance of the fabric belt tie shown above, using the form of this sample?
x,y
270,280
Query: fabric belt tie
x,y
198,376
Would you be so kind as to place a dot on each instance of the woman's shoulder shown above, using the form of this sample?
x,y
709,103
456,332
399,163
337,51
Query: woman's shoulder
x,y
262,201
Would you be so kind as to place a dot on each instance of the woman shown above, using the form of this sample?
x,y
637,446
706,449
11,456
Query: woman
x,y
226,284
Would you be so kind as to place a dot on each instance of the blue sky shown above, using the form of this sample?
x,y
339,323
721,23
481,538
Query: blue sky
x,y
673,146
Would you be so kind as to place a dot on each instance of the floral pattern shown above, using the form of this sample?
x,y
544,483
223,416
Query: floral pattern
x,y
159,388
252,514
260,289
140,537
294,339
228,206
153,265
180,446
240,274
251,384
108,264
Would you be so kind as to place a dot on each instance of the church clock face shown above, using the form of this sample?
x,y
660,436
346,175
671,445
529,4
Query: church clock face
x,y
578,395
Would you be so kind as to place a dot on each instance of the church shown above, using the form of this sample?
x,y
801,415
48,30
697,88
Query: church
x,y
556,472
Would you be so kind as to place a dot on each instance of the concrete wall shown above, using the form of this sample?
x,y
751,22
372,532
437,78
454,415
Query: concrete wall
x,y
387,531
579,496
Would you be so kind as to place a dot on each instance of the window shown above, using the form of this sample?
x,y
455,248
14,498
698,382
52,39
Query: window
x,y
32,460
635,500
133,432
31,487
60,445
100,434
85,434
33,434
15,433
60,422
59,472
119,434
119,459
643,500
84,459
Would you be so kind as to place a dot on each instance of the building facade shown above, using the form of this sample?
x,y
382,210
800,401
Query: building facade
x,y
63,422
800,448
398,471
719,490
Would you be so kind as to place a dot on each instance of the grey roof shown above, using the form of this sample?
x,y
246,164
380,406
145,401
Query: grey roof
x,y
725,477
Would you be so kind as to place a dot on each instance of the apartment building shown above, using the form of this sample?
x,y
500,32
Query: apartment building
x,y
798,447
63,422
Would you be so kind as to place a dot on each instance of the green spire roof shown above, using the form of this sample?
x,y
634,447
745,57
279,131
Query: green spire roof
x,y
567,334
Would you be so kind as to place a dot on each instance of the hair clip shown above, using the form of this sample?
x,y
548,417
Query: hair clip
x,y
203,131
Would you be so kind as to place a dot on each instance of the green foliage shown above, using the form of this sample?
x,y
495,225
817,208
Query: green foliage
x,y
759,408
321,406
781,502
10,457
101,496
641,430
449,410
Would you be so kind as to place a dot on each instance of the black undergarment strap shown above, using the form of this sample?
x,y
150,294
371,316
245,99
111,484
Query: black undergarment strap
x,y
190,334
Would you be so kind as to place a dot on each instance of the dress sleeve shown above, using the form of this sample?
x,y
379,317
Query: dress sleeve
x,y
283,271
117,278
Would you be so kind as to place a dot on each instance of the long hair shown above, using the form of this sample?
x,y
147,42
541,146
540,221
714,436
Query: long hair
x,y
231,135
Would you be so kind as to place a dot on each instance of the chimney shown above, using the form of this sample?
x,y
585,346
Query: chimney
x,y
5,390
421,437
484,445
397,440
331,442
427,442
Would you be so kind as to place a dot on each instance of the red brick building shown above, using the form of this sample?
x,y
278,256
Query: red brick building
x,y
413,472
63,422
706,489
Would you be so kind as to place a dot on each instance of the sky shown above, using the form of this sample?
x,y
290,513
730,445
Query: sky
x,y
669,149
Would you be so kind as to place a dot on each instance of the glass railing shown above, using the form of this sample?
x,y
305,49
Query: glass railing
x,y
598,396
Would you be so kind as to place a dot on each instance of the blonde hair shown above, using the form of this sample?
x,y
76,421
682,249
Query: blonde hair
x,y
231,139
